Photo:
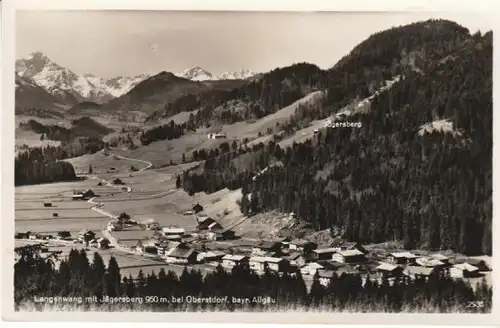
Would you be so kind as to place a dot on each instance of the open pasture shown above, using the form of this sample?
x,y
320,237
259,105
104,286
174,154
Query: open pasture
x,y
73,216
102,163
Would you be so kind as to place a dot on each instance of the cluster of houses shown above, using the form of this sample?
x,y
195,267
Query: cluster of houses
x,y
289,256
85,236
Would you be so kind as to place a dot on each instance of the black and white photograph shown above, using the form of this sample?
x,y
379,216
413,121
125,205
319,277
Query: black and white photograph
x,y
252,161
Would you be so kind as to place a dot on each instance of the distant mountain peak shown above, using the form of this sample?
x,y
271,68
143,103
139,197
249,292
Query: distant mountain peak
x,y
196,73
63,82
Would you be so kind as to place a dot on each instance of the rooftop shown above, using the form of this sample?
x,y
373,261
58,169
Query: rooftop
x,y
419,270
326,250
407,255
466,267
350,252
263,259
232,257
387,267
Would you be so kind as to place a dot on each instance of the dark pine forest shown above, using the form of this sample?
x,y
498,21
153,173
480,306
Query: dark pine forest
x,y
385,181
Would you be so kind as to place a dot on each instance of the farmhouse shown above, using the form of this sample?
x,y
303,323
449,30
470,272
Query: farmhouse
x,y
146,248
214,226
264,247
325,253
429,262
177,238
325,276
163,248
464,270
302,245
86,235
78,195
172,231
221,234
415,272
349,256
64,235
182,255
117,181
389,270
197,208
210,256
402,258
103,243
114,226
311,268
216,136
203,225
440,257
229,260
259,264
151,225
297,259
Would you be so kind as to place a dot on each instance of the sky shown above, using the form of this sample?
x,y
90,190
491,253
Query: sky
x,y
125,43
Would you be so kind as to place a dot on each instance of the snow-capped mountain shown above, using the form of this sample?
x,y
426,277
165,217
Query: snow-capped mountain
x,y
197,73
62,82
239,75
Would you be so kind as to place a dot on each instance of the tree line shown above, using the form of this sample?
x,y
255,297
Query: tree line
x,y
77,276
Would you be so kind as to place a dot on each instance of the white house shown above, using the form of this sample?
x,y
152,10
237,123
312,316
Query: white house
x,y
258,263
402,258
464,270
429,262
229,260
311,268
325,253
348,256
171,231
325,276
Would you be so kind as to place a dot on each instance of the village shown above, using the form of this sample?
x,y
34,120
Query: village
x,y
211,245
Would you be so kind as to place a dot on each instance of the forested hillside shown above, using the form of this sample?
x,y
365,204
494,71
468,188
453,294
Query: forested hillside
x,y
390,179
39,165
81,127
256,99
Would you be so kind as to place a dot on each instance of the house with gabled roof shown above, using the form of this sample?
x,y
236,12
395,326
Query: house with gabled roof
x,y
302,245
325,276
230,260
429,262
173,231
402,258
415,272
311,268
389,270
259,263
440,257
349,256
266,246
464,270
296,258
182,255
325,253
205,224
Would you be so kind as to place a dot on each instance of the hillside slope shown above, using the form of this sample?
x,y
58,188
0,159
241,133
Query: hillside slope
x,y
155,92
385,180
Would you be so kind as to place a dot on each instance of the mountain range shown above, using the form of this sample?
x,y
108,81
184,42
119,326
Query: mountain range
x,y
68,88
